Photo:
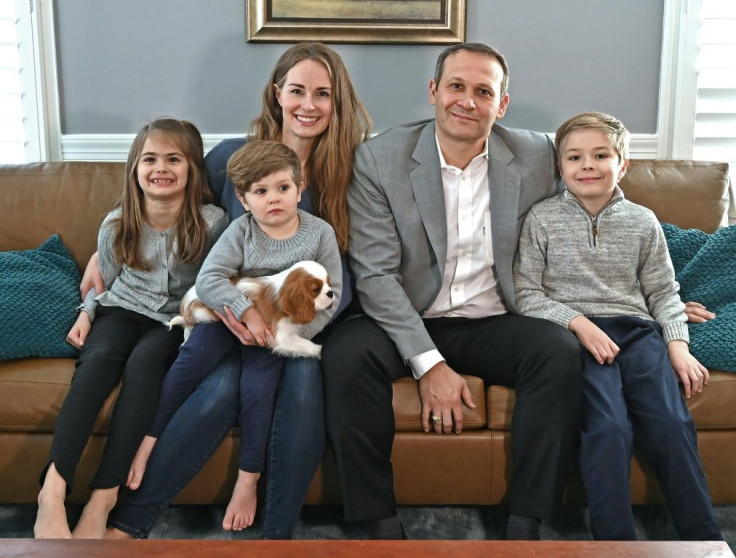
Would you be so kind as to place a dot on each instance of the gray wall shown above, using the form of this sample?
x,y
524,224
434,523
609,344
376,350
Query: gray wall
x,y
122,62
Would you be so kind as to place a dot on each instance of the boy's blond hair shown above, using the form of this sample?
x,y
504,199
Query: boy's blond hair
x,y
612,127
259,158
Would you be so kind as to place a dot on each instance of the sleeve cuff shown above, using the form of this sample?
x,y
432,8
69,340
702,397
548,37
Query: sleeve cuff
x,y
676,331
422,362
239,306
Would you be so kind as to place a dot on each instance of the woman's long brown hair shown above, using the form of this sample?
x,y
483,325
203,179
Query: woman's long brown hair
x,y
330,165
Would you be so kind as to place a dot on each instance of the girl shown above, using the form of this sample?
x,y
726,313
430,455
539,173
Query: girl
x,y
309,104
150,249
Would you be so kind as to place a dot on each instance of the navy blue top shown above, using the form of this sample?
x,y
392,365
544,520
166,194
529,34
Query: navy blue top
x,y
224,192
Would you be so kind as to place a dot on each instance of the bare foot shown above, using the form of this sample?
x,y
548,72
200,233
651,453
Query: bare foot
x,y
138,467
241,510
51,522
93,521
117,534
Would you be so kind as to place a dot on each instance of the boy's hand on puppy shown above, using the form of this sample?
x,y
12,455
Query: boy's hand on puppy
x,y
78,333
593,338
691,373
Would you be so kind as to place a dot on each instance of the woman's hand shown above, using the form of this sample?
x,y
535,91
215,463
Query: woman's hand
x,y
697,313
92,277
240,330
78,333
593,338
691,373
257,327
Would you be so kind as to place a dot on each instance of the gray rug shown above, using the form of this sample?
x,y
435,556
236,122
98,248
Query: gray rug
x,y
420,522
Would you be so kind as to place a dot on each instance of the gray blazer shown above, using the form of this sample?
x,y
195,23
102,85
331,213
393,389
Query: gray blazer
x,y
398,230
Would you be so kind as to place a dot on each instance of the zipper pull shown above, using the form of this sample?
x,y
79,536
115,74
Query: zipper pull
x,y
594,224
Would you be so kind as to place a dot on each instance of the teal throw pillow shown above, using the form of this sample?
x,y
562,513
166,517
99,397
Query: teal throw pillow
x,y
39,293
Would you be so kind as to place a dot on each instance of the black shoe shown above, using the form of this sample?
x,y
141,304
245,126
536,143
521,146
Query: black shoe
x,y
387,529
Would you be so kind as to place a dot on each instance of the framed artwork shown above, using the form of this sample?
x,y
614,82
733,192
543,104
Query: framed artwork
x,y
357,21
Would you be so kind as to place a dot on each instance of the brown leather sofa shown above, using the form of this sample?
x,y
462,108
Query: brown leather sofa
x,y
71,199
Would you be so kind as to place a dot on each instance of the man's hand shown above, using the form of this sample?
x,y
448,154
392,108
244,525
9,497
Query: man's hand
x,y
240,330
593,338
691,373
442,391
697,313
92,277
79,331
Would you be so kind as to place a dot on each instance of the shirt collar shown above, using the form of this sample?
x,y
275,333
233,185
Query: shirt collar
x,y
443,163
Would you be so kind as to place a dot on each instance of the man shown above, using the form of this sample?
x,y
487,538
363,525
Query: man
x,y
435,209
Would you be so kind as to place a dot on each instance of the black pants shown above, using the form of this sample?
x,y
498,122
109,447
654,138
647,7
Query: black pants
x,y
123,344
541,360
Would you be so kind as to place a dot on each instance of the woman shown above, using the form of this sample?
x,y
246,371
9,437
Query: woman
x,y
308,91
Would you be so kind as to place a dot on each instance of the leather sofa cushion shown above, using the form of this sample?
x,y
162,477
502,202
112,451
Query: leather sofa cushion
x,y
32,391
408,407
689,194
69,198
711,410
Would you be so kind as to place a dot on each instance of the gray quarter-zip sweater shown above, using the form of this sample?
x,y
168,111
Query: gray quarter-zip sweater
x,y
612,264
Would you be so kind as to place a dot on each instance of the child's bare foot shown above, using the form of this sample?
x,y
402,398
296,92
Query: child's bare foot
x,y
116,534
51,522
138,467
93,521
241,510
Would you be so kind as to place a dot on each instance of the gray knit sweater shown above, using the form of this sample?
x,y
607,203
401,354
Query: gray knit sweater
x,y
614,264
246,251
155,293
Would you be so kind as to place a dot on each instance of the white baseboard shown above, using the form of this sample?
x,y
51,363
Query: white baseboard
x,y
114,147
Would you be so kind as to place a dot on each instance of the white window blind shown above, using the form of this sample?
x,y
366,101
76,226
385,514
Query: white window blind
x,y
12,132
715,104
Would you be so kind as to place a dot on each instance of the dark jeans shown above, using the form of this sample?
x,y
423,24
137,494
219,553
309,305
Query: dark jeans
x,y
541,360
123,344
637,399
296,444
260,370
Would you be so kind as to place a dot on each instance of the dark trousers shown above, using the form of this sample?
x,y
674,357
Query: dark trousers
x,y
259,376
541,360
123,344
637,399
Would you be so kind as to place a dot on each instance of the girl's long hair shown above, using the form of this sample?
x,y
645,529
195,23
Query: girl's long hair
x,y
330,165
191,228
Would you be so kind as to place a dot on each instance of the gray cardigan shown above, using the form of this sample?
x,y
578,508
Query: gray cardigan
x,y
155,293
613,264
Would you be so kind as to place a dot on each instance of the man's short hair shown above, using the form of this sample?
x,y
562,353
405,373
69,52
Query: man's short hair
x,y
480,48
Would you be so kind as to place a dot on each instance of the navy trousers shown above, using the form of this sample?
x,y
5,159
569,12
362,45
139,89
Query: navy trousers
x,y
637,399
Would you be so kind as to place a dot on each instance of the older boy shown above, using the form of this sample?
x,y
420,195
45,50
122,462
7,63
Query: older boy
x,y
597,264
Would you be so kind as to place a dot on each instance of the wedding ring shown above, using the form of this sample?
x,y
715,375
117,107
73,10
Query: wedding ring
x,y
436,419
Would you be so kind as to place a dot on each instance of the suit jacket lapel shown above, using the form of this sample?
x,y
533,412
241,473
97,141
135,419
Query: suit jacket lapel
x,y
426,182
505,185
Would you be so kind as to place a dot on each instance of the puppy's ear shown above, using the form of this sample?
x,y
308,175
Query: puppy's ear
x,y
297,298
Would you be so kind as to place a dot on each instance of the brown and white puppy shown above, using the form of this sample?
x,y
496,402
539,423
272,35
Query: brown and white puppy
x,y
286,301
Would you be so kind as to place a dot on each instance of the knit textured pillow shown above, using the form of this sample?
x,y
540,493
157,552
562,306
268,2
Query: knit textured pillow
x,y
39,293
705,267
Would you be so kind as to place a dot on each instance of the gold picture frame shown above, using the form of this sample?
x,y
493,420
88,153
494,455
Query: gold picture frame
x,y
357,21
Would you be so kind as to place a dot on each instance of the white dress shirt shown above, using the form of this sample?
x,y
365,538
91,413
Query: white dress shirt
x,y
469,284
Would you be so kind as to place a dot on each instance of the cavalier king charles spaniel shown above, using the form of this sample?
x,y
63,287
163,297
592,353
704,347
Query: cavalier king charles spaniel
x,y
285,300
